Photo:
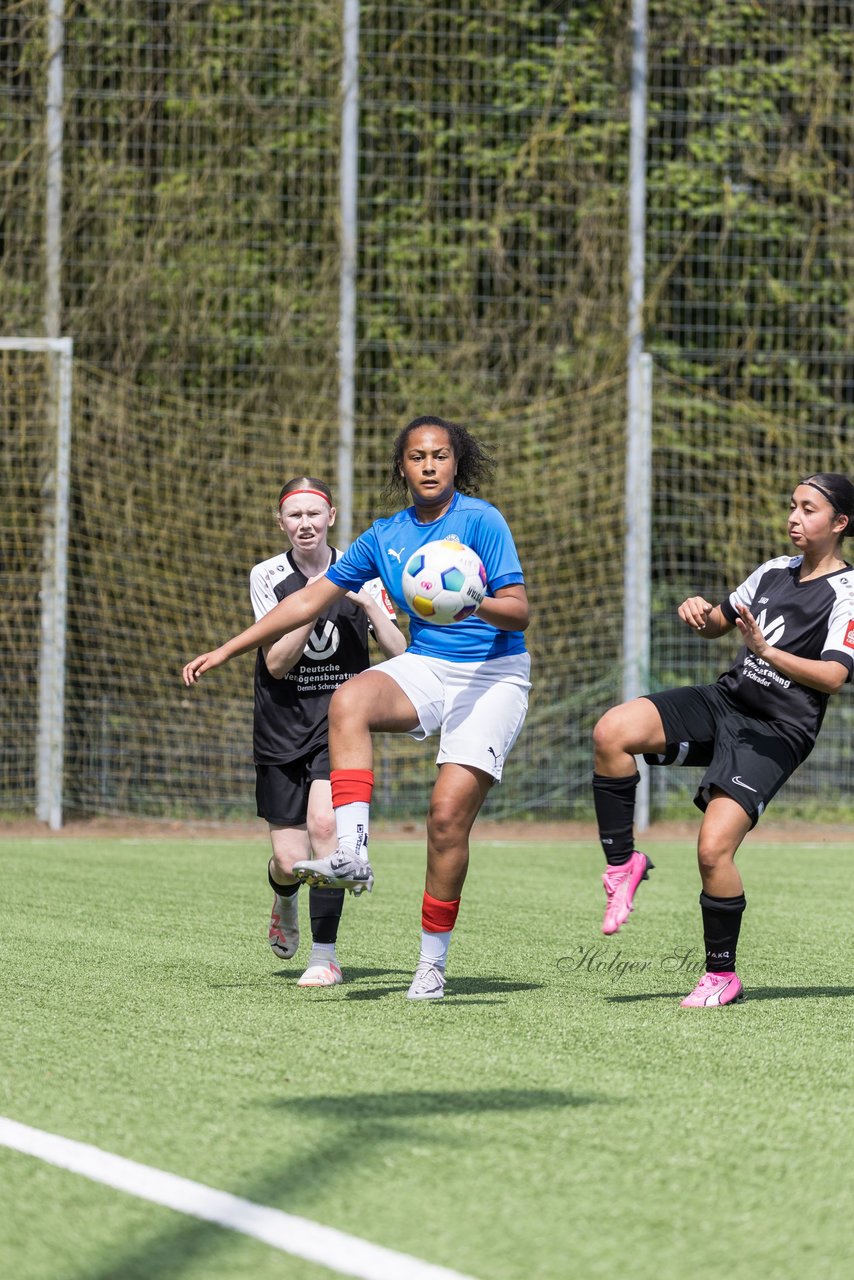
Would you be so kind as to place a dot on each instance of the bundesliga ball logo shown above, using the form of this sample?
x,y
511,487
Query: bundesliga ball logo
x,y
444,582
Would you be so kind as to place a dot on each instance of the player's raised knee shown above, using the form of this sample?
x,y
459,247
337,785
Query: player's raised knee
x,y
350,701
608,731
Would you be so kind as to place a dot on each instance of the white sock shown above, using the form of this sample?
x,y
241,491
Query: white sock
x,y
322,953
352,822
434,948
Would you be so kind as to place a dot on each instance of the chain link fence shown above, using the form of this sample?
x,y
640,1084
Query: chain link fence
x,y
200,282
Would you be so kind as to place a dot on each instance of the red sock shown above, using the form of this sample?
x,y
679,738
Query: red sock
x,y
351,786
438,916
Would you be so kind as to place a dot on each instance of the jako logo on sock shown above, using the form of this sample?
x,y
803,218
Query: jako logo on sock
x,y
361,849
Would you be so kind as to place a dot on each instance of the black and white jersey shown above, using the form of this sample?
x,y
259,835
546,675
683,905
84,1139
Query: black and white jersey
x,y
812,619
291,713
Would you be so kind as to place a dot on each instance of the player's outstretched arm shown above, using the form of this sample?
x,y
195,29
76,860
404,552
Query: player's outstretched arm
x,y
292,612
707,619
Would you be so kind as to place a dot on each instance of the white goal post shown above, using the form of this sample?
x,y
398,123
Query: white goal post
x,y
54,579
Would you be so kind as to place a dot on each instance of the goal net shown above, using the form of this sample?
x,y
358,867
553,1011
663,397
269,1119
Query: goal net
x,y
171,503
170,506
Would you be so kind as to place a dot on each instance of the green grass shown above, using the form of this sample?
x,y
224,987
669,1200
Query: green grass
x,y
557,1115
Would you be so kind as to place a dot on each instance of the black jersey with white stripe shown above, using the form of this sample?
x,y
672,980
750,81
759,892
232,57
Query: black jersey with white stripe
x,y
813,619
291,713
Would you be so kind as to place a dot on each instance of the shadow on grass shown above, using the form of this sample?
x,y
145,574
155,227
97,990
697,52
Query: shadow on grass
x,y
457,987
293,972
347,1133
360,1109
395,982
351,974
751,993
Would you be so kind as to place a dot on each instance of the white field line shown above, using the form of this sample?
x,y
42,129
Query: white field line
x,y
345,1254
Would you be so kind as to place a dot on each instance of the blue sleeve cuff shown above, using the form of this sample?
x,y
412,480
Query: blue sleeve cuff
x,y
508,580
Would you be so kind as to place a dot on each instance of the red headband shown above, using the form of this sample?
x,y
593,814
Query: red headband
x,y
293,492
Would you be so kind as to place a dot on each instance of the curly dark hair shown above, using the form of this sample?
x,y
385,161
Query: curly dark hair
x,y
474,461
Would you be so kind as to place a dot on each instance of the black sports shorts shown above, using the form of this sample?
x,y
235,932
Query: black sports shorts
x,y
281,790
745,758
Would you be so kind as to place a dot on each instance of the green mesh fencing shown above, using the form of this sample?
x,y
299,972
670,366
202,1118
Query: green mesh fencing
x,y
200,283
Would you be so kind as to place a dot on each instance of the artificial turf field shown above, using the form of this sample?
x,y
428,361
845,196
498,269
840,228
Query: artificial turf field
x,y
557,1115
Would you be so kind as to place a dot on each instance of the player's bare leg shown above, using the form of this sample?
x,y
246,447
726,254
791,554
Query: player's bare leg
x,y
324,904
724,826
458,795
722,902
289,844
621,734
320,819
624,732
370,702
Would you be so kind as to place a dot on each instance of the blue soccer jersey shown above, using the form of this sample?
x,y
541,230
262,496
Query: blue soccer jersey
x,y
383,550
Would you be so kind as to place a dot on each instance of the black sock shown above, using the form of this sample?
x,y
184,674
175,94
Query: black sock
x,y
283,890
721,927
324,911
614,802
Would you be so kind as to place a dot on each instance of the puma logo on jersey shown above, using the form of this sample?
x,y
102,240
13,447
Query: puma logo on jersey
x,y
395,554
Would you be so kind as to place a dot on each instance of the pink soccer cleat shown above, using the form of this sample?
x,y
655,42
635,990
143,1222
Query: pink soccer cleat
x,y
620,886
714,990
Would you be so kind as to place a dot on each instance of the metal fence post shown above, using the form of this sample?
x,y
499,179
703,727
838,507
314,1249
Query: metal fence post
x,y
637,552
349,195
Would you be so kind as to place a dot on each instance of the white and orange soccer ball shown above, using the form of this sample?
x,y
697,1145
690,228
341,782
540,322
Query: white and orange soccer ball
x,y
444,581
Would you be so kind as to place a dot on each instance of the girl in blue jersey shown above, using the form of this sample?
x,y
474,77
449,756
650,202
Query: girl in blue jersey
x,y
468,683
749,731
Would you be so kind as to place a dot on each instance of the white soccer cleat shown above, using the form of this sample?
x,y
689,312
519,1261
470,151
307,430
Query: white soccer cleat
x,y
340,870
326,974
428,983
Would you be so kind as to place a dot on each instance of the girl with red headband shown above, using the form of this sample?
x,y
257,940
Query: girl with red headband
x,y
467,683
295,678
749,731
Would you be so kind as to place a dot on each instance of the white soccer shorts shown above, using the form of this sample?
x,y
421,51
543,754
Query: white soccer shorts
x,y
478,708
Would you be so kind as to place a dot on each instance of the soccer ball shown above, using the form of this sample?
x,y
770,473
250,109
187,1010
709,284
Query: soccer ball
x,y
444,581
